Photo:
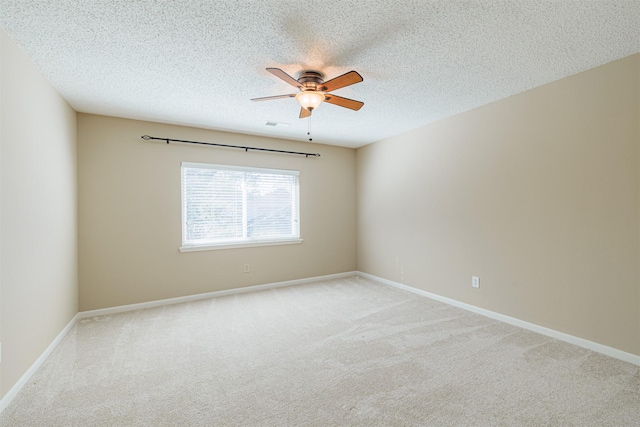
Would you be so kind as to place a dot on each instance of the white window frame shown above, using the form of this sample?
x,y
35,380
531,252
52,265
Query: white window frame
x,y
190,247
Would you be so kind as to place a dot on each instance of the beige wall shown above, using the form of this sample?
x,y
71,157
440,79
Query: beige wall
x,y
130,214
538,194
38,261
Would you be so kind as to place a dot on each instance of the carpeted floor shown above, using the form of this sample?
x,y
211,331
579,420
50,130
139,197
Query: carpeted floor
x,y
334,353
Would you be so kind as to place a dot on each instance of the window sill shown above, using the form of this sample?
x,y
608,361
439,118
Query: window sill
x,y
239,245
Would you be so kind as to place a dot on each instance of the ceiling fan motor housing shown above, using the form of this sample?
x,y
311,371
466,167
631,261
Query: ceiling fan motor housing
x,y
311,80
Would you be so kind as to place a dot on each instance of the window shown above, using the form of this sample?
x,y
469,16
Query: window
x,y
232,206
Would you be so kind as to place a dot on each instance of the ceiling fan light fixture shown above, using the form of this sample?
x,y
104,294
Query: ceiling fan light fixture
x,y
310,99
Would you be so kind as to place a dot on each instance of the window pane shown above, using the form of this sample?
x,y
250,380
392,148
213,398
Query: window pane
x,y
214,204
269,202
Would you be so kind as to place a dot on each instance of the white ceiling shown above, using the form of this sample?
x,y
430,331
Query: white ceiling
x,y
199,62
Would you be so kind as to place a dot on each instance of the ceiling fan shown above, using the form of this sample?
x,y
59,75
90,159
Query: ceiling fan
x,y
313,90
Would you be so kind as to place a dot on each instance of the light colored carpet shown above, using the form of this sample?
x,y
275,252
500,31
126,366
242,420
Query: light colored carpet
x,y
333,353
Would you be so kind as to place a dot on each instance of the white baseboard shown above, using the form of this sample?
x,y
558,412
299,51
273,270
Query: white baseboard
x,y
581,342
34,367
196,297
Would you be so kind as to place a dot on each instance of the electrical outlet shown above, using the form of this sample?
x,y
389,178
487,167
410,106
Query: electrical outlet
x,y
397,263
246,268
475,281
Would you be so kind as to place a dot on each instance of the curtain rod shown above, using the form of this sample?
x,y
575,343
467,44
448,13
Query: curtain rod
x,y
147,137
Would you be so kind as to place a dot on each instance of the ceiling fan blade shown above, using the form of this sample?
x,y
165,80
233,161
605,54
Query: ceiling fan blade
x,y
284,76
268,98
346,79
343,102
304,113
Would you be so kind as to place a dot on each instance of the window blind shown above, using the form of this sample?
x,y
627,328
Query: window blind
x,y
223,205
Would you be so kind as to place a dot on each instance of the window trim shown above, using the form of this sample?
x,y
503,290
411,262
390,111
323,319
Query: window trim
x,y
196,248
235,244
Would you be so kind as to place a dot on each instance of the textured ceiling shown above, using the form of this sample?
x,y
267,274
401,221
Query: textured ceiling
x,y
199,62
